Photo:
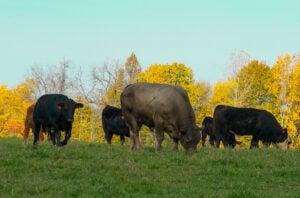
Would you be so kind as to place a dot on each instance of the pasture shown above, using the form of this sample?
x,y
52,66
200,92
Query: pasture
x,y
99,170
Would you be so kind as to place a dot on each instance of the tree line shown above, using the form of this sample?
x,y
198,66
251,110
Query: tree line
x,y
249,83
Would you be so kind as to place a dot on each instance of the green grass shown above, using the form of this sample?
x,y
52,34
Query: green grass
x,y
100,170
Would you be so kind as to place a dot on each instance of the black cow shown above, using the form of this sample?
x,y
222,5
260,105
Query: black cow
x,y
261,124
214,139
207,130
54,112
113,122
161,107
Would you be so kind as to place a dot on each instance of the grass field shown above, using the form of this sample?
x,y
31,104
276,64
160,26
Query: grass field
x,y
99,170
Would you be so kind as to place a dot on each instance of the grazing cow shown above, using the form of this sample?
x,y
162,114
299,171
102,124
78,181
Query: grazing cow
x,y
114,123
261,124
214,139
29,124
207,129
56,113
161,107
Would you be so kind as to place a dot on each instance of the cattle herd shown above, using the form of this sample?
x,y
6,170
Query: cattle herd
x,y
163,108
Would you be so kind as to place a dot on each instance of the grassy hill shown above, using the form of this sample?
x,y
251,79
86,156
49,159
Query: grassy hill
x,y
99,170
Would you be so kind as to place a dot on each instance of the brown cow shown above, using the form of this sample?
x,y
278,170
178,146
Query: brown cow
x,y
164,108
29,124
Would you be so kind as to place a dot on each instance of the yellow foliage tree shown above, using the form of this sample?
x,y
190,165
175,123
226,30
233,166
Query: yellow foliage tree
x,y
253,83
294,103
83,129
284,89
13,110
113,93
223,93
281,75
174,74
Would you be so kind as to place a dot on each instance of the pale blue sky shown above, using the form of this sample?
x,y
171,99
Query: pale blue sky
x,y
200,34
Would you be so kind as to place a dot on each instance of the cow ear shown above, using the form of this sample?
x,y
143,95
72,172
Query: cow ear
x,y
78,105
284,130
60,106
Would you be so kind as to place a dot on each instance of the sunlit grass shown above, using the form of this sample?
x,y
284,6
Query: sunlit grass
x,y
100,170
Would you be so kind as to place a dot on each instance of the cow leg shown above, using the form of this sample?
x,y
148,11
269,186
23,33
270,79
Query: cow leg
x,y
68,134
159,137
36,131
122,139
203,138
108,136
232,141
218,141
52,136
67,137
228,139
136,136
212,141
25,135
134,139
48,137
176,140
254,143
134,132
58,137
225,142
219,135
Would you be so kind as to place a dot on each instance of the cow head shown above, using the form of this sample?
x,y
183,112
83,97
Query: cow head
x,y
287,141
67,109
190,139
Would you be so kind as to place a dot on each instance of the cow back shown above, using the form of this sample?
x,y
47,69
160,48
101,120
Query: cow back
x,y
148,99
